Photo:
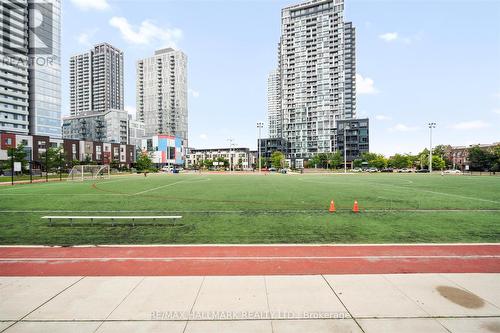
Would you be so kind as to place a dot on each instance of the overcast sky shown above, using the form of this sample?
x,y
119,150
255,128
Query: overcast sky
x,y
417,61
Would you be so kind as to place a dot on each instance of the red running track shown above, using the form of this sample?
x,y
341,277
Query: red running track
x,y
248,260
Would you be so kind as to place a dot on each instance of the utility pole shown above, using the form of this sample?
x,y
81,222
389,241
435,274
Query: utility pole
x,y
431,126
260,125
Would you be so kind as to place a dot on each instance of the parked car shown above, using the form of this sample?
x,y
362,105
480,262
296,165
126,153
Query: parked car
x,y
422,171
387,170
372,170
405,170
357,170
453,172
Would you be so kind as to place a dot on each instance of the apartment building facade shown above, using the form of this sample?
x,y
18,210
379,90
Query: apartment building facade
x,y
96,80
109,126
30,73
162,93
275,117
240,158
353,134
316,75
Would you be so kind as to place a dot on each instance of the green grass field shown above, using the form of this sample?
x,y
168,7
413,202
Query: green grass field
x,y
395,208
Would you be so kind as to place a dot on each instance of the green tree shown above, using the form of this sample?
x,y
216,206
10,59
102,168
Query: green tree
x,y
208,163
438,163
379,162
496,158
114,164
52,159
481,159
423,159
19,155
336,160
399,161
277,159
323,160
225,163
443,151
375,160
263,162
358,163
144,162
314,162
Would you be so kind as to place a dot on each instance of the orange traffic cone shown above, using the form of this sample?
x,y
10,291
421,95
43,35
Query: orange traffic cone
x,y
332,207
355,208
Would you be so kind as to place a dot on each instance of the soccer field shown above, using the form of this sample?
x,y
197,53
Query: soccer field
x,y
274,208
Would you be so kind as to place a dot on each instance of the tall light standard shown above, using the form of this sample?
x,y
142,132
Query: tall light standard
x,y
431,126
345,147
230,154
260,125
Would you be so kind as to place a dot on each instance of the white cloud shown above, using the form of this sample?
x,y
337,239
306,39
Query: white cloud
x,y
365,85
382,117
389,36
91,4
394,36
146,33
470,125
85,37
403,128
194,93
497,111
203,136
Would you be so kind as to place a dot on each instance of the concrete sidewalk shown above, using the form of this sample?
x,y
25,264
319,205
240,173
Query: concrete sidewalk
x,y
300,303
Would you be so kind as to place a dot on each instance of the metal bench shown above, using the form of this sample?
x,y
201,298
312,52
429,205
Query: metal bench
x,y
112,218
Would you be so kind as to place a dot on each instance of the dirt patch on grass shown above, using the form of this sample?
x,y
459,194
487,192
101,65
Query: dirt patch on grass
x,y
461,297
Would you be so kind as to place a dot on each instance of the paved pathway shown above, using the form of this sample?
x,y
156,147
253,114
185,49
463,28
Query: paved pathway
x,y
248,260
251,289
398,303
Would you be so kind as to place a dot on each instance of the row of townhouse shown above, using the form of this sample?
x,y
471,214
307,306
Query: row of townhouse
x,y
99,152
459,155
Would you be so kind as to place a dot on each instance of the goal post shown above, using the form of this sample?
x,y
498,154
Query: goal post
x,y
89,172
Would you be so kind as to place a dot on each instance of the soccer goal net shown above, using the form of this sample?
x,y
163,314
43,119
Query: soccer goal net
x,y
88,172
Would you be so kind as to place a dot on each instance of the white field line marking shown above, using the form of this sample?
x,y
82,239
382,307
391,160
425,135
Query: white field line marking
x,y
251,258
434,192
61,194
157,188
171,184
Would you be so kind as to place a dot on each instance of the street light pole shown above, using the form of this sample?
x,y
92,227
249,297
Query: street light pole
x,y
431,126
345,148
230,154
260,125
